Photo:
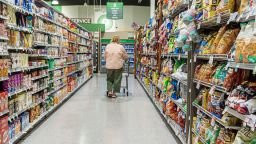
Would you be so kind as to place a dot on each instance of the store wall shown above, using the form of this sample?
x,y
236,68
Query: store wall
x,y
138,14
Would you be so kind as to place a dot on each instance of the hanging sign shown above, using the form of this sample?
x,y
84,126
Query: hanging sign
x,y
82,20
115,10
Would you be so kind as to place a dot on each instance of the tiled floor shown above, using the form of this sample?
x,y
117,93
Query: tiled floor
x,y
91,118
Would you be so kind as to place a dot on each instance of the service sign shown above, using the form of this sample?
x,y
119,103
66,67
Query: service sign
x,y
115,10
82,20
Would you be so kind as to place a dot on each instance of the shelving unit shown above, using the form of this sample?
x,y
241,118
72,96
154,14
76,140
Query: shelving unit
x,y
45,59
205,88
96,56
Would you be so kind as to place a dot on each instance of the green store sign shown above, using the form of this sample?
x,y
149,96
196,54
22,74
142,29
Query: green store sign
x,y
115,10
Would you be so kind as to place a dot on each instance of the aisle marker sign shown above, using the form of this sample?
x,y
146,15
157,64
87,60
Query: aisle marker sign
x,y
115,10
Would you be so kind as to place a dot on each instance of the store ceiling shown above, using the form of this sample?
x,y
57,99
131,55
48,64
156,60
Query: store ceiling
x,y
103,2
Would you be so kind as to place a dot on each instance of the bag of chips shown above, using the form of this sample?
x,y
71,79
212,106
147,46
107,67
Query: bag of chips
x,y
245,136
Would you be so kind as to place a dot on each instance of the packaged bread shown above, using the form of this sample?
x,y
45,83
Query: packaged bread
x,y
218,38
227,41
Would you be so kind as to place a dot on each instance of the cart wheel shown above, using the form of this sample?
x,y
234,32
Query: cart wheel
x,y
123,90
127,93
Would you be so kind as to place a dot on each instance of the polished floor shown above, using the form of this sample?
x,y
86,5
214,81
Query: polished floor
x,y
91,118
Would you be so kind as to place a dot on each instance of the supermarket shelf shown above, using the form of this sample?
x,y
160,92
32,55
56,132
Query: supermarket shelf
x,y
76,62
222,57
209,85
56,57
38,90
19,91
43,44
4,112
37,55
247,66
26,69
46,32
3,17
45,115
217,20
235,113
174,55
199,136
82,44
19,48
4,78
216,118
76,71
57,68
73,42
52,81
151,67
4,38
149,54
14,27
79,52
39,77
56,89
146,76
173,125
4,54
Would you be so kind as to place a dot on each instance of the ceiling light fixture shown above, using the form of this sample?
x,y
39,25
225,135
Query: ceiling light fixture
x,y
55,2
139,1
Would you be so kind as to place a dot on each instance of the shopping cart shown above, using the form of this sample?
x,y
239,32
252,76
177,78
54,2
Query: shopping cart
x,y
126,73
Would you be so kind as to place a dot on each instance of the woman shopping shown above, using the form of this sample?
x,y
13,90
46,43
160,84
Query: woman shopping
x,y
115,56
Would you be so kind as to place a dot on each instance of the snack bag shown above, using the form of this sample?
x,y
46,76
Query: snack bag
x,y
211,134
221,32
230,119
232,78
245,136
226,136
216,104
227,41
243,6
226,5
219,75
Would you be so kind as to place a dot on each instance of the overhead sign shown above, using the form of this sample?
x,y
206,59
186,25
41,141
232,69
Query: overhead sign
x,y
82,20
115,10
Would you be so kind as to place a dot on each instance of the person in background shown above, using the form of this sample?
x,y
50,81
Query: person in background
x,y
115,56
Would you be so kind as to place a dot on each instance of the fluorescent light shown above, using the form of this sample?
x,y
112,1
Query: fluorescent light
x,y
55,2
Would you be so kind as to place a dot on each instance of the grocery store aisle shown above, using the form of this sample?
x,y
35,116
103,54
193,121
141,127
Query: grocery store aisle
x,y
91,118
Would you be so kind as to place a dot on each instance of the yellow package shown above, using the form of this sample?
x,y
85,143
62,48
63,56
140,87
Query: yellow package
x,y
225,5
227,41
221,32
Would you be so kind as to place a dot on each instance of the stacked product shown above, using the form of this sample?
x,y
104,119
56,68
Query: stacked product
x,y
34,61
206,70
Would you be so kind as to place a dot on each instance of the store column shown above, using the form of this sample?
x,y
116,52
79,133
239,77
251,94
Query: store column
x,y
152,7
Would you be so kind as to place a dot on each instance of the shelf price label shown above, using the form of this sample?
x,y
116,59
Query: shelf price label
x,y
212,90
197,139
218,19
195,57
179,56
211,60
213,122
254,70
198,85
